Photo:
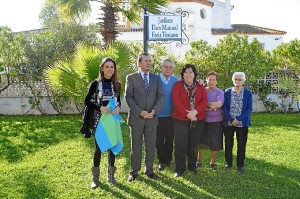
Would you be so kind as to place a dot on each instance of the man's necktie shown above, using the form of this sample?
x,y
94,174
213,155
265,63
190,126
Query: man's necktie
x,y
146,82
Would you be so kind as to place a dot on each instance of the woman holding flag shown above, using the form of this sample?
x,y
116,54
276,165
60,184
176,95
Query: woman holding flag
x,y
107,87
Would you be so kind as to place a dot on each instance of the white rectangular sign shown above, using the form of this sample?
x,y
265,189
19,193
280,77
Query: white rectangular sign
x,y
164,27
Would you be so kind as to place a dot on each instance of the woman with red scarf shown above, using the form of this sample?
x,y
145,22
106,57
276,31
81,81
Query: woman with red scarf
x,y
190,100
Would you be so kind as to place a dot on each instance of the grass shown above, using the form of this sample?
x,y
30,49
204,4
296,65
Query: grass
x,y
47,157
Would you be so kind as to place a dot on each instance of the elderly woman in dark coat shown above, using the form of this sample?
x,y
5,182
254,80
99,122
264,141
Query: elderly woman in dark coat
x,y
237,110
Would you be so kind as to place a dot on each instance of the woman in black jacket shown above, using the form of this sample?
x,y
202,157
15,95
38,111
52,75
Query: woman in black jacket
x,y
108,86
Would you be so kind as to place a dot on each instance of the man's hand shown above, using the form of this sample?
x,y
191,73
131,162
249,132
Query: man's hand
x,y
151,115
144,114
147,115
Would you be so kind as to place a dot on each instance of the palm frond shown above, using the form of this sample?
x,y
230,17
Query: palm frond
x,y
87,61
72,77
70,9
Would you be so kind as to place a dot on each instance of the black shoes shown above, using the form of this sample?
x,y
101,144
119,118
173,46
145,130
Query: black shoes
x,y
161,167
194,171
228,167
198,164
131,178
178,174
213,167
241,169
152,176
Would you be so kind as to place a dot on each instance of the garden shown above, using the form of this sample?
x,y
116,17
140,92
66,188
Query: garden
x,y
47,157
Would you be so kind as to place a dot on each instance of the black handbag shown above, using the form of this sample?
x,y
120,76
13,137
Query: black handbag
x,y
90,118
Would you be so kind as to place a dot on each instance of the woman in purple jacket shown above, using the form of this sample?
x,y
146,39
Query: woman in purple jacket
x,y
213,120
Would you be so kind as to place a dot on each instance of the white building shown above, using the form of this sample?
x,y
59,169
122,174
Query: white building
x,y
206,20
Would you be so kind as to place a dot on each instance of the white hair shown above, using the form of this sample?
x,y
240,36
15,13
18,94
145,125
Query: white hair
x,y
242,74
167,60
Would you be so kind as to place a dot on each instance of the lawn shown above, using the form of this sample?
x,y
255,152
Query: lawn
x,y
47,157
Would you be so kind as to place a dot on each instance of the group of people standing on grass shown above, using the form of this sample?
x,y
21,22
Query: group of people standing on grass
x,y
164,108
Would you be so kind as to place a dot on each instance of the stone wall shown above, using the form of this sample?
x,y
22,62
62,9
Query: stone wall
x,y
15,99
20,106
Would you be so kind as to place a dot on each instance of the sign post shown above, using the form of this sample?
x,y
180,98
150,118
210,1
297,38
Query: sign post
x,y
161,28
164,27
145,37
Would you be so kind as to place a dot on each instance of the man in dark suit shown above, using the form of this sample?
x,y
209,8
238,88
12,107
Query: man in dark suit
x,y
145,97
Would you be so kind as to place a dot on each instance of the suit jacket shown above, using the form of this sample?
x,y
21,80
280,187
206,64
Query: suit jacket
x,y
138,99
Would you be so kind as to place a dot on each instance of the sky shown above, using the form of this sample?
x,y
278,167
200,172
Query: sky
x,y
282,15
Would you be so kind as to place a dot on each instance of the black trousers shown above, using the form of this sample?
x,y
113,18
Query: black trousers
x,y
186,141
241,137
164,140
97,156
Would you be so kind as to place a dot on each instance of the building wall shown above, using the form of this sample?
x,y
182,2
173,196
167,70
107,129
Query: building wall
x,y
221,13
270,42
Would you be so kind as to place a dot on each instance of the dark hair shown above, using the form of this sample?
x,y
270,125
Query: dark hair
x,y
140,57
189,66
115,76
212,73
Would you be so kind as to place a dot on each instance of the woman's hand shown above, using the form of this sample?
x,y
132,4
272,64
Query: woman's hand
x,y
235,122
192,114
116,111
104,109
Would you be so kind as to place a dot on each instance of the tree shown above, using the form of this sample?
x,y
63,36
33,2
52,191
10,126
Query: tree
x,y
233,53
49,15
74,9
44,49
11,51
287,55
199,56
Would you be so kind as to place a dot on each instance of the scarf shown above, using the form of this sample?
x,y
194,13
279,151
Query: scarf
x,y
191,95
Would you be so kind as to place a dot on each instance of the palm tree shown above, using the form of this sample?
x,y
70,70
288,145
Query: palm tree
x,y
109,9
69,80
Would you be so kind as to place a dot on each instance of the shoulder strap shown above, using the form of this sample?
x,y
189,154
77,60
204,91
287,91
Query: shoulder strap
x,y
99,91
97,87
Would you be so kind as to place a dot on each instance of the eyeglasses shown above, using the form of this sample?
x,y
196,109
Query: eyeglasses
x,y
168,67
